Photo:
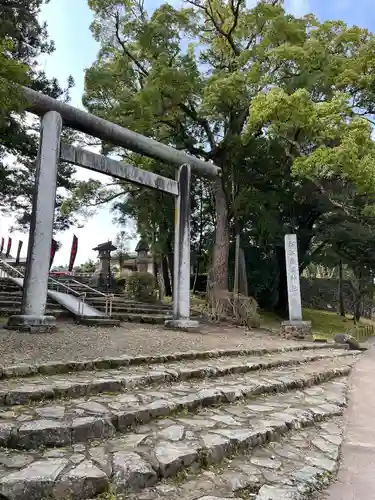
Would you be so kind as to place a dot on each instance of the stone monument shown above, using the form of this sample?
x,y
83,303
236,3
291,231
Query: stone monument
x,y
103,277
295,327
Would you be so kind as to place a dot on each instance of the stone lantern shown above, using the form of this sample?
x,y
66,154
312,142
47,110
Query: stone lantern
x,y
104,278
143,259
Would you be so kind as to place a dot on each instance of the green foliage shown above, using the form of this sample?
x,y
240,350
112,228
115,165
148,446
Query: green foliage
x,y
342,141
10,71
140,286
88,267
120,283
23,39
281,104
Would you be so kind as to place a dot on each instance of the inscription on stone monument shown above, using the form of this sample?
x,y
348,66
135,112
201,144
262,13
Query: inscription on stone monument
x,y
292,273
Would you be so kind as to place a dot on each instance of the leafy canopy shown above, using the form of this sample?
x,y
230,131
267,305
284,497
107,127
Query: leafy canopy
x,y
244,87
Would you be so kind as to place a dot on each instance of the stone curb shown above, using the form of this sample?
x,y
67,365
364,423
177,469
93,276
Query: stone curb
x,y
132,471
50,433
52,368
63,389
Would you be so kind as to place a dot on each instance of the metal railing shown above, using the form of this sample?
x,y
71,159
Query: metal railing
x,y
8,270
56,285
59,286
108,297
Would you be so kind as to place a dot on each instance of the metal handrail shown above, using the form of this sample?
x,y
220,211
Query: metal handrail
x,y
84,285
57,284
108,304
108,296
13,269
80,295
71,290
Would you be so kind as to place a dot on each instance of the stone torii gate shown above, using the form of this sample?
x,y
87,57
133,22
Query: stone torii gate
x,y
54,114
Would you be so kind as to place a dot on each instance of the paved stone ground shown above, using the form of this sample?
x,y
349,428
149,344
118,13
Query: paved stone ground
x,y
200,425
355,479
72,341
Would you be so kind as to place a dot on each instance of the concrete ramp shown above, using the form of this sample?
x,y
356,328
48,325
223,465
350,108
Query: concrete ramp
x,y
68,301
74,305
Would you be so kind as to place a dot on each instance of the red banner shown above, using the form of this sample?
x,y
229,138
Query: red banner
x,y
73,253
20,243
9,247
53,251
2,246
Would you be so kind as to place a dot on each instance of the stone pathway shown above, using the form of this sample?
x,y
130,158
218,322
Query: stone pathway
x,y
262,424
355,479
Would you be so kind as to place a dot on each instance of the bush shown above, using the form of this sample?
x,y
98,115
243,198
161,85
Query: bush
x,y
140,286
120,283
238,309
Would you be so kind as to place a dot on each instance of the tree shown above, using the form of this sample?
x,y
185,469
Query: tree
x,y
221,80
88,267
351,241
122,244
22,40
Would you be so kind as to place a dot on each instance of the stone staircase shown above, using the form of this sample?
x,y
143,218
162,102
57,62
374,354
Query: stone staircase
x,y
123,309
264,424
11,298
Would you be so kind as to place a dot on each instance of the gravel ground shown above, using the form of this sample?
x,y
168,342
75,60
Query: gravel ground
x,y
76,342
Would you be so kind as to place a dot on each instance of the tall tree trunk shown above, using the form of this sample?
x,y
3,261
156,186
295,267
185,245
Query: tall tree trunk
x,y
358,299
357,309
200,241
165,273
160,279
196,272
282,302
243,275
170,267
219,271
341,290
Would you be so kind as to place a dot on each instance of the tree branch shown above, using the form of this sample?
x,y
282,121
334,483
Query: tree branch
x,y
259,32
141,68
107,200
235,11
211,16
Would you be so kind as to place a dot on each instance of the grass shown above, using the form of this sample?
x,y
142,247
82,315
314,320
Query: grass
x,y
324,323
195,300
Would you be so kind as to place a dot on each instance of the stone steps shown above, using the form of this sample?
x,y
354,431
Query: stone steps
x,y
122,299
12,302
151,319
296,466
128,308
171,448
82,419
122,308
152,427
78,384
11,311
105,363
9,288
98,320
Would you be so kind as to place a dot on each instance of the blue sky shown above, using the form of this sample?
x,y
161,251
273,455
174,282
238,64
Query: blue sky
x,y
68,25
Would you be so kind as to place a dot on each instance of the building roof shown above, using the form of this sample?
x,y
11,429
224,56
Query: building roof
x,y
142,245
105,246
